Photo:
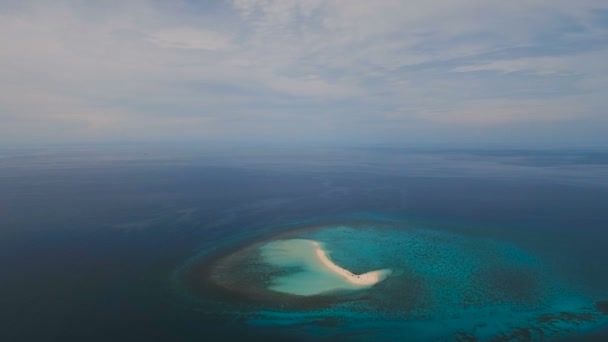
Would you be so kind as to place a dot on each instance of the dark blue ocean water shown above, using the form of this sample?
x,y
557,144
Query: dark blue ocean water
x,y
91,237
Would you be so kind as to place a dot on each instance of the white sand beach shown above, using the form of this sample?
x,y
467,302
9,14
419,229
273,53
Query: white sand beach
x,y
366,279
318,273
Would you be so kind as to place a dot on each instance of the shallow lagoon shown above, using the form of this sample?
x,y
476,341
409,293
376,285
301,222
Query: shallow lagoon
x,y
442,286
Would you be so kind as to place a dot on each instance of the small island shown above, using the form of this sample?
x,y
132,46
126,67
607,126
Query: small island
x,y
316,272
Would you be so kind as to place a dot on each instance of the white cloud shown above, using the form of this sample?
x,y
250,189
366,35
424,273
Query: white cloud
x,y
188,38
133,67
541,66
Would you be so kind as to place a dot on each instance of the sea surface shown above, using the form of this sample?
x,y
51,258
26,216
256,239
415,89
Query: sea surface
x,y
104,242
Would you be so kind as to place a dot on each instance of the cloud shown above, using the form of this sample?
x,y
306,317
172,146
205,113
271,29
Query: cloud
x,y
540,66
187,38
293,69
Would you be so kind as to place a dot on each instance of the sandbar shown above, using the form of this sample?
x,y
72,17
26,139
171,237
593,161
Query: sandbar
x,y
365,279
317,272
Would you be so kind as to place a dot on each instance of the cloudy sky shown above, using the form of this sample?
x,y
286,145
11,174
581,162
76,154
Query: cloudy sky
x,y
480,72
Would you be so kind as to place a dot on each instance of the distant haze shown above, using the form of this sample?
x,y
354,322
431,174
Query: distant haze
x,y
471,72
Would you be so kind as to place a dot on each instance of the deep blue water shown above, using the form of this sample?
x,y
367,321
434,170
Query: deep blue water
x,y
91,237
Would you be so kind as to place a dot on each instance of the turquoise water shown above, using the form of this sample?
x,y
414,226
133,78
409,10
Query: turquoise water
x,y
443,285
311,275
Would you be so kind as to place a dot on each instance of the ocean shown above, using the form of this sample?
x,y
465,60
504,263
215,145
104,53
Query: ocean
x,y
116,242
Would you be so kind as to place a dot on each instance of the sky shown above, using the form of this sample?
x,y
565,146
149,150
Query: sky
x,y
476,72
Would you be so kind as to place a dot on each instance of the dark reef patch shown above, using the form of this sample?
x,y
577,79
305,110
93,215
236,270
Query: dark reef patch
x,y
465,337
602,306
402,295
508,283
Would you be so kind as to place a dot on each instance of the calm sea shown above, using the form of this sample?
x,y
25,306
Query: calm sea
x,y
91,236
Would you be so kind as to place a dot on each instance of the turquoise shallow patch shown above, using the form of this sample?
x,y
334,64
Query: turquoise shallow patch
x,y
311,276
443,286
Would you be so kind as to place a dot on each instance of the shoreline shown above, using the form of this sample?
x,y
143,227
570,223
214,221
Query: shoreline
x,y
204,274
365,279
